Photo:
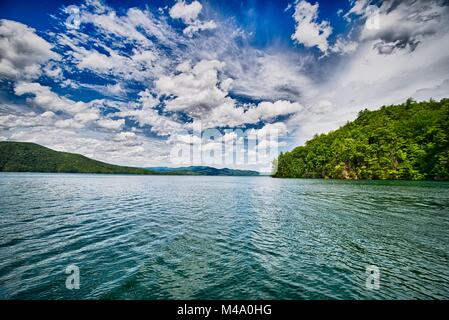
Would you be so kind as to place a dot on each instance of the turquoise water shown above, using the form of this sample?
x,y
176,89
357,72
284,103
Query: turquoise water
x,y
180,237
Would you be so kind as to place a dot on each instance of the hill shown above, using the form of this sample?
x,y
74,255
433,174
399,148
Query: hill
x,y
204,171
31,157
408,141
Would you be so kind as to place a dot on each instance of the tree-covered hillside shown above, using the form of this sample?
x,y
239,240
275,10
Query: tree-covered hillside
x,y
407,141
31,157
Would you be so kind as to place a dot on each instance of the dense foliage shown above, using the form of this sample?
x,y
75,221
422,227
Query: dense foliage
x,y
31,157
407,141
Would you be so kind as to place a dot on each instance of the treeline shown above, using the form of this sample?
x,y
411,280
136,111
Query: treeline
x,y
407,141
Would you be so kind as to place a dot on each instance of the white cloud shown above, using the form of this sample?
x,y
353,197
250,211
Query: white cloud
x,y
53,71
95,60
107,20
76,114
196,90
128,138
186,12
202,93
43,97
161,125
344,46
125,136
139,66
309,31
111,124
358,8
100,49
199,26
68,123
28,119
405,24
22,52
269,110
87,116
279,76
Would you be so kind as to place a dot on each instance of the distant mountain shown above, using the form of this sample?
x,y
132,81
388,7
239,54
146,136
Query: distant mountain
x,y
31,157
204,171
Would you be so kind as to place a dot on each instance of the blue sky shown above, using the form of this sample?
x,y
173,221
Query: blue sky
x,y
129,81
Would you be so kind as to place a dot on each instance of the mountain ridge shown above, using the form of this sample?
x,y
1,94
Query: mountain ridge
x,y
31,157
205,170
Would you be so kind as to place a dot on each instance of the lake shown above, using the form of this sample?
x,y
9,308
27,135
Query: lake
x,y
183,237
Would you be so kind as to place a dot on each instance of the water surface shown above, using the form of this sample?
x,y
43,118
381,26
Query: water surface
x,y
181,237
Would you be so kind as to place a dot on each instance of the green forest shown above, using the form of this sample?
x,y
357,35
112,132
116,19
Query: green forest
x,y
408,141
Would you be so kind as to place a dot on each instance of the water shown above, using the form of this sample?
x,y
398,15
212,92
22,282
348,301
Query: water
x,y
180,237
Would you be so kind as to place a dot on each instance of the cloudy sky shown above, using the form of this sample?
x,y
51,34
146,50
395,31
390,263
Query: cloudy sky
x,y
123,81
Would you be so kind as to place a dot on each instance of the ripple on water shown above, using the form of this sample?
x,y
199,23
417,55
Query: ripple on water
x,y
143,237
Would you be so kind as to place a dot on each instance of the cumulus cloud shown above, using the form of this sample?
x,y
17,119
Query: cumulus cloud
x,y
309,31
203,94
145,114
42,97
111,124
269,110
128,138
195,90
125,136
188,13
159,124
22,51
75,114
95,60
27,119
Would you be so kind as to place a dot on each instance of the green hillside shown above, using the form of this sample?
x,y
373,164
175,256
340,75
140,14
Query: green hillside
x,y
31,157
407,141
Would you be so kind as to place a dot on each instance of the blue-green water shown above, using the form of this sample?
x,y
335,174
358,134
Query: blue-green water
x,y
175,237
